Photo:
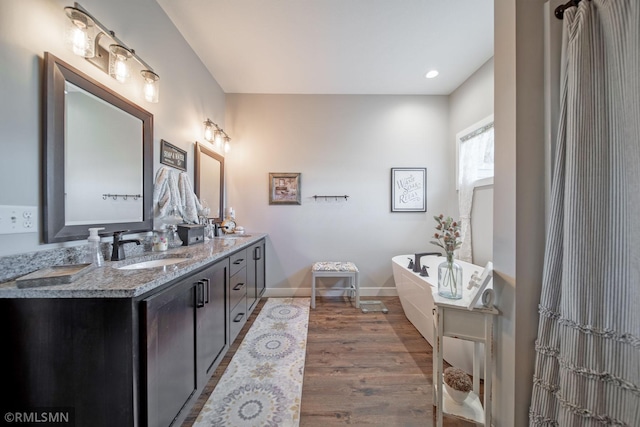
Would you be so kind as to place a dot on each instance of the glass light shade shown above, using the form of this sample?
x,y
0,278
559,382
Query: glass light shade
x,y
209,130
118,67
227,145
80,33
218,138
151,86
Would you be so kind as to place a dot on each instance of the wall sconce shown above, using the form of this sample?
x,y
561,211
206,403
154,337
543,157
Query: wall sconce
x,y
84,35
216,135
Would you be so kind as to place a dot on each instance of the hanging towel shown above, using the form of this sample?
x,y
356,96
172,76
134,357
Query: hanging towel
x,y
190,206
173,189
165,191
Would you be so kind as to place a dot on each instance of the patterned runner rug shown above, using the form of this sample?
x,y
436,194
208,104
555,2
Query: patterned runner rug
x,y
262,386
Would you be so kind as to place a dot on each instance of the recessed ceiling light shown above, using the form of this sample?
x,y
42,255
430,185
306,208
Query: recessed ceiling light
x,y
431,74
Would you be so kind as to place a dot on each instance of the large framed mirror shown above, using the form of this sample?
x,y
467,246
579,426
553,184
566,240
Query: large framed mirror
x,y
97,157
209,179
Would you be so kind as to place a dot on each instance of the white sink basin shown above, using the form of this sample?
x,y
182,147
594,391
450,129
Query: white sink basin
x,y
152,263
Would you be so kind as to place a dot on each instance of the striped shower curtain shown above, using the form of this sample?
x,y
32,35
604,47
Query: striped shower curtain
x,y
587,370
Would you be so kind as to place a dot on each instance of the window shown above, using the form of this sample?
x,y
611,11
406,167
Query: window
x,y
475,153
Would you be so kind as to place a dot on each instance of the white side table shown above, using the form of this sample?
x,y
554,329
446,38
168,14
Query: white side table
x,y
453,319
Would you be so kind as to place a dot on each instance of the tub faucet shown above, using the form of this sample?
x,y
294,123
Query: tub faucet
x,y
118,250
416,263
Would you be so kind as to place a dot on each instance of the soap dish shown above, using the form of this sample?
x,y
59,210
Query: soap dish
x,y
54,275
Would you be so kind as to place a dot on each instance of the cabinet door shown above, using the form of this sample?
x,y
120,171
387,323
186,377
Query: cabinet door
x,y
255,274
169,318
211,338
259,257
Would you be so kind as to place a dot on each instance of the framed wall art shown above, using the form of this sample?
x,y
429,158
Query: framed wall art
x,y
284,189
408,189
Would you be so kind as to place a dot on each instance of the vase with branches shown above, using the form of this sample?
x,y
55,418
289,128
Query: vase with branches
x,y
447,237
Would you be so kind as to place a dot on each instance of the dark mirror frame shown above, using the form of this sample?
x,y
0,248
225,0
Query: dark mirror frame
x,y
56,73
202,150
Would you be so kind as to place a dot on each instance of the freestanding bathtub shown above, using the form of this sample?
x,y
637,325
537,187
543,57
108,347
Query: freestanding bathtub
x,y
415,294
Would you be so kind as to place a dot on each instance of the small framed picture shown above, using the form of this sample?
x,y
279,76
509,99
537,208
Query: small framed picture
x,y
172,156
408,189
284,189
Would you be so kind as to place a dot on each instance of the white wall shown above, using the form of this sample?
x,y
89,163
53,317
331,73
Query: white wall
x,y
468,104
519,203
342,145
28,28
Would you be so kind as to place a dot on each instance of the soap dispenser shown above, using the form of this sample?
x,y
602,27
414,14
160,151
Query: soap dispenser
x,y
94,255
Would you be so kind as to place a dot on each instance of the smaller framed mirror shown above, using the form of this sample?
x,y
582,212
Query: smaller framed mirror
x,y
209,180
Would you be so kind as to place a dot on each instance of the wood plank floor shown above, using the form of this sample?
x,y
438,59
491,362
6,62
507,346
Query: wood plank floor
x,y
369,369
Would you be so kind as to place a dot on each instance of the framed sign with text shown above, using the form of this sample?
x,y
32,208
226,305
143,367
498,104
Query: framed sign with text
x,y
173,156
408,189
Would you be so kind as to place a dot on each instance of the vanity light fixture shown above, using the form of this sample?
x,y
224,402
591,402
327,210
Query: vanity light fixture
x,y
216,135
87,37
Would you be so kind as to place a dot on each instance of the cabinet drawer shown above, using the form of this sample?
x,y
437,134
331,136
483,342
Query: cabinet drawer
x,y
238,319
238,287
238,261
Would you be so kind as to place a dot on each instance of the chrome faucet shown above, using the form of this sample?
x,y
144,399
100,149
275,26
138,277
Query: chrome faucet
x,y
118,250
416,263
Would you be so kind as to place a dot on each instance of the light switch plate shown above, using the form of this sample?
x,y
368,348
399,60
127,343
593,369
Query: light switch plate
x,y
18,219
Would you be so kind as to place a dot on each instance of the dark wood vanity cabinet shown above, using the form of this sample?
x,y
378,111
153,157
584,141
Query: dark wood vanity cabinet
x,y
238,292
185,335
247,284
255,273
75,355
139,361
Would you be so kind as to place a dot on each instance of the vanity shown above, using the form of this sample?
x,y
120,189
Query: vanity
x,y
129,347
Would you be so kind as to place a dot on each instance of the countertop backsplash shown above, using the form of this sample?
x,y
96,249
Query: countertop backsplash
x,y
14,266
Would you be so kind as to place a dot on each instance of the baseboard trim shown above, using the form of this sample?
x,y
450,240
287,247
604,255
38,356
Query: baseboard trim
x,y
306,292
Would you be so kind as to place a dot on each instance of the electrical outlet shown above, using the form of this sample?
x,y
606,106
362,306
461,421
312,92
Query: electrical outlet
x,y
18,219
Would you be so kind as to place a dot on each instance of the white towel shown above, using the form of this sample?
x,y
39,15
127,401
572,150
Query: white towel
x,y
171,190
190,206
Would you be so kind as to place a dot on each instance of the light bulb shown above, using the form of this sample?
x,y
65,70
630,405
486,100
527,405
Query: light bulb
x,y
431,74
121,69
151,86
227,146
118,67
208,130
218,139
79,41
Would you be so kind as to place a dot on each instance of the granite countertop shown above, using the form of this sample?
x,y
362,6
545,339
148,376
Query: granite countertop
x,y
110,282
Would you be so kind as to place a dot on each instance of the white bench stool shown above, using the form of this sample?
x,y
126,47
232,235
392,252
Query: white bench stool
x,y
336,269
